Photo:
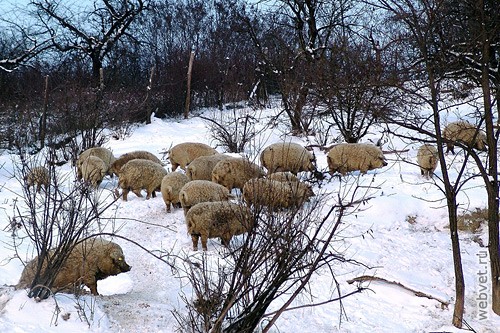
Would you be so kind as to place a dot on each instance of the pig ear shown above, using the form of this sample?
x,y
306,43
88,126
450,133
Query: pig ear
x,y
190,170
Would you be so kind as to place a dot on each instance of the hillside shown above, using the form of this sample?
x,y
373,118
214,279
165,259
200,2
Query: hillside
x,y
399,234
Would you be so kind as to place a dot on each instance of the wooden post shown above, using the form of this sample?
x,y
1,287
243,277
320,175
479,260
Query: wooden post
x,y
149,110
43,120
188,93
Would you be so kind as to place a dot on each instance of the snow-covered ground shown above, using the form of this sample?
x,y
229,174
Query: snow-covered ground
x,y
401,233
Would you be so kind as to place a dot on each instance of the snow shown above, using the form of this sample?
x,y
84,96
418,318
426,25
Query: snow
x,y
399,234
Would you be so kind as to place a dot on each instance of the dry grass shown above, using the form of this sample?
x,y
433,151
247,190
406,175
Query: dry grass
x,y
411,219
472,220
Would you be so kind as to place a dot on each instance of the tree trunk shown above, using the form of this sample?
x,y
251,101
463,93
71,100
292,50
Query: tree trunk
x,y
96,72
458,311
147,102
491,184
43,120
188,92
451,202
298,110
491,180
285,98
294,102
493,246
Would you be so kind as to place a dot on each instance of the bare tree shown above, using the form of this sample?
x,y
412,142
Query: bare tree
x,y
223,66
92,33
20,41
419,27
355,88
26,48
490,172
19,45
298,38
476,45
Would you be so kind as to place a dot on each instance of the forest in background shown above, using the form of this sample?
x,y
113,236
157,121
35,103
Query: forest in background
x,y
78,68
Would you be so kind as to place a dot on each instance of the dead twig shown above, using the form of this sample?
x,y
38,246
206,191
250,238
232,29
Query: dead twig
x,y
327,148
444,304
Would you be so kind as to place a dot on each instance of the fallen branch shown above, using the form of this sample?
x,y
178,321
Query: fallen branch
x,y
444,304
327,148
395,151
322,148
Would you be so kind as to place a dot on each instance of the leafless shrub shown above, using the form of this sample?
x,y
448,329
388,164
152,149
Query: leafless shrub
x,y
233,129
122,131
85,309
324,131
81,113
275,260
19,127
55,219
207,299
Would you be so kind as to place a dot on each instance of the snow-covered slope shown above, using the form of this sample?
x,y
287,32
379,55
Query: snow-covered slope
x,y
400,234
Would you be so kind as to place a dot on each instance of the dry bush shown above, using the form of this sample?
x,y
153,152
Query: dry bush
x,y
473,220
233,129
411,219
56,219
275,260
